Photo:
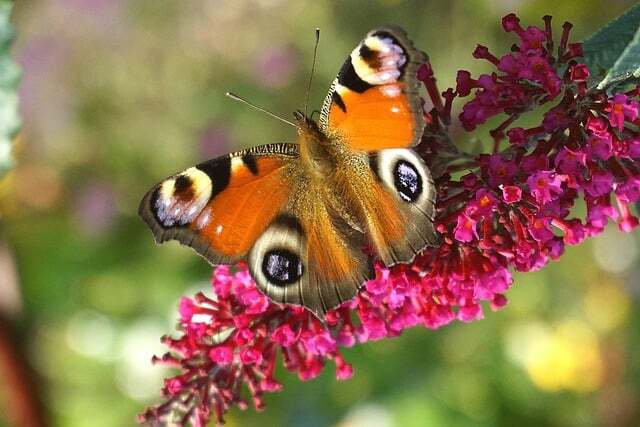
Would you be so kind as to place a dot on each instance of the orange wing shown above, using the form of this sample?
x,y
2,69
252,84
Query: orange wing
x,y
374,102
373,106
259,205
308,256
221,207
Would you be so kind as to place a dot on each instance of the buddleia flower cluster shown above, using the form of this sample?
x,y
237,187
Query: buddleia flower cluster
x,y
507,209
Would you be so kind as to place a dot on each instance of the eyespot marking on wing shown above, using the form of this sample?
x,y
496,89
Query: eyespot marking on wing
x,y
219,173
251,164
282,267
337,99
277,261
407,181
380,59
290,222
178,200
349,77
403,172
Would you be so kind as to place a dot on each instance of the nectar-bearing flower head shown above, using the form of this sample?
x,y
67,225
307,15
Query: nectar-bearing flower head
x,y
510,208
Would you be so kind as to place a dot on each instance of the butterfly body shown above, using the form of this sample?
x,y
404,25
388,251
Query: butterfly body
x,y
301,214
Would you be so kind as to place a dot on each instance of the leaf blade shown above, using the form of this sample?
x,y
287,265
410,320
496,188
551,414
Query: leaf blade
x,y
603,49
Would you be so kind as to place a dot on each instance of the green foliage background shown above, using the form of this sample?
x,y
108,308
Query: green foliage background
x,y
116,95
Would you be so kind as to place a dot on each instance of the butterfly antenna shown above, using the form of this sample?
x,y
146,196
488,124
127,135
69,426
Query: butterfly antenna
x,y
264,110
313,67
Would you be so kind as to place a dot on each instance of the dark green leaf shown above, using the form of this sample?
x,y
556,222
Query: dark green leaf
x,y
612,53
9,78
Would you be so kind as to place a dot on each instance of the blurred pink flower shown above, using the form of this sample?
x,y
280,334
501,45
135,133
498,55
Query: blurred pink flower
x,y
94,208
215,141
276,65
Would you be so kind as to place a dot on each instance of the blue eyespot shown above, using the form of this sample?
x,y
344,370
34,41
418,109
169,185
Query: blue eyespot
x,y
407,181
282,267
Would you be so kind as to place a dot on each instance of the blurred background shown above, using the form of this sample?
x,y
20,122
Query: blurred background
x,y
117,95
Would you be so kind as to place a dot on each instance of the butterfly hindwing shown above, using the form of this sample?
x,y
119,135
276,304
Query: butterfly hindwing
x,y
405,178
306,260
374,101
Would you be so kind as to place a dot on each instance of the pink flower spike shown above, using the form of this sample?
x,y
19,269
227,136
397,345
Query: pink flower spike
x,y
511,194
575,50
628,222
544,186
629,191
187,309
511,23
601,183
540,229
251,356
470,312
498,302
222,355
174,385
517,136
579,73
482,52
284,335
464,83
465,230
621,109
344,370
484,205
570,162
574,231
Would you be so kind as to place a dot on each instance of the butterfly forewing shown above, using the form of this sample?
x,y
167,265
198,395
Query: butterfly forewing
x,y
221,207
374,102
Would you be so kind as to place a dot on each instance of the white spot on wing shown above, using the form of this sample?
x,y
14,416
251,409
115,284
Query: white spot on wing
x,y
341,90
390,91
236,162
203,219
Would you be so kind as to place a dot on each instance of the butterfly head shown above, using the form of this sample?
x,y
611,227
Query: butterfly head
x,y
306,125
301,118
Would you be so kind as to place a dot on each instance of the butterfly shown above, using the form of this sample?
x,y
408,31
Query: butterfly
x,y
301,214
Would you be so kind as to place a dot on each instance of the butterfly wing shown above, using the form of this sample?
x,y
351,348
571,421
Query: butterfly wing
x,y
373,102
260,205
309,256
410,196
373,106
220,207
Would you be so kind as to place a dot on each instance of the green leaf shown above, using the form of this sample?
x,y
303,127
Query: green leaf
x,y
9,79
613,52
